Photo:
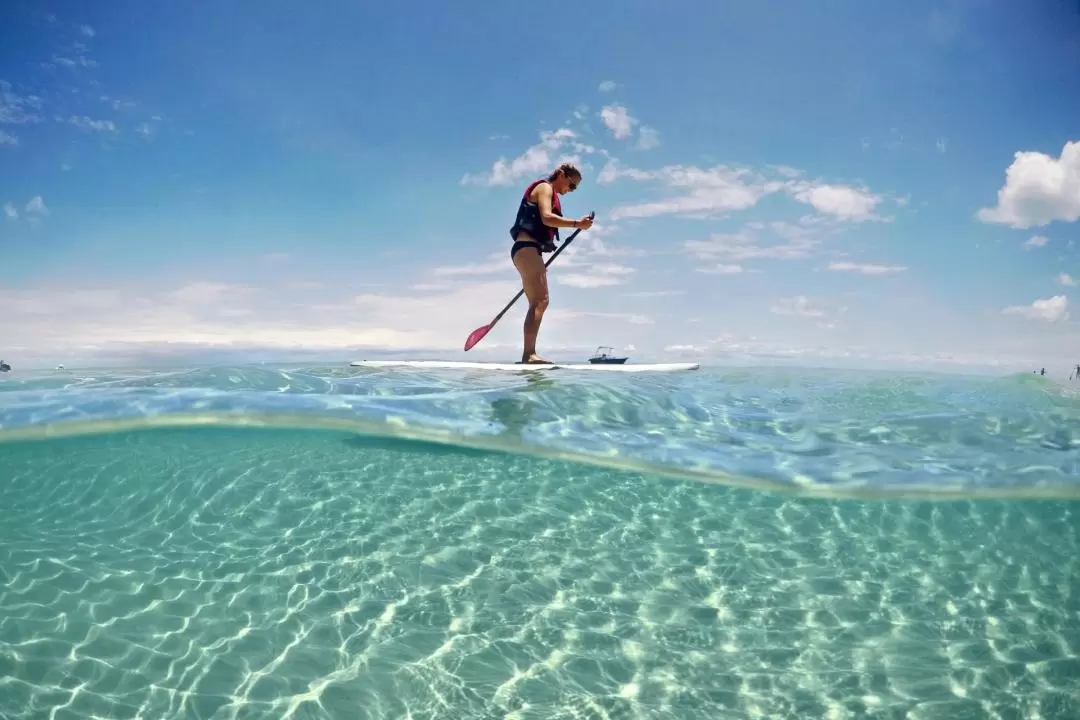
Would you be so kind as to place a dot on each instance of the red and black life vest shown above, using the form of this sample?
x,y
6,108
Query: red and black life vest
x,y
528,219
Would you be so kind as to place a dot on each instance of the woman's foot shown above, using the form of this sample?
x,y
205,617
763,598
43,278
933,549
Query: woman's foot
x,y
534,359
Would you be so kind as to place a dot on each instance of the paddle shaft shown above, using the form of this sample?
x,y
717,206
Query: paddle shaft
x,y
550,260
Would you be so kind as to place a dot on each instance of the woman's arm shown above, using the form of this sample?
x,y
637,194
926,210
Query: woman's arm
x,y
543,201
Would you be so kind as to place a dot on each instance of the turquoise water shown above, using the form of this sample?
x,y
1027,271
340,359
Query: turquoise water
x,y
329,542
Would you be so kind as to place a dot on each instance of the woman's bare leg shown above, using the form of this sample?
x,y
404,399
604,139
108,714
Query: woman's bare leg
x,y
530,265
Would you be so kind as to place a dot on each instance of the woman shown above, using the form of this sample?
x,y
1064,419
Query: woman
x,y
534,232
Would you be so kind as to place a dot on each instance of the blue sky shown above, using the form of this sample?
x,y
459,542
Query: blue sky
x,y
841,182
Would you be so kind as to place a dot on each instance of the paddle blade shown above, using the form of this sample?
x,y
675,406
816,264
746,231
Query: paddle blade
x,y
476,336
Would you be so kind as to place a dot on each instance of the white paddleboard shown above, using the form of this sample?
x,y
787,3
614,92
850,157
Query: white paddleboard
x,y
517,367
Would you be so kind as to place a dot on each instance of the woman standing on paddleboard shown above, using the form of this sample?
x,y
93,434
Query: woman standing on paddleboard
x,y
535,230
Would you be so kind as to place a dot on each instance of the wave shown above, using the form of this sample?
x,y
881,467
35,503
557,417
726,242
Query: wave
x,y
811,433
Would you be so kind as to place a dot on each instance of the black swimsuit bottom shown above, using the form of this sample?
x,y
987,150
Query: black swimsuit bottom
x,y
519,244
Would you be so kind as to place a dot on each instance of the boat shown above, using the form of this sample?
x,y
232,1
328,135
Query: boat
x,y
603,356
4,367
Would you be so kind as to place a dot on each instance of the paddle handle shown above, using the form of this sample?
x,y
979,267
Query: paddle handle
x,y
549,261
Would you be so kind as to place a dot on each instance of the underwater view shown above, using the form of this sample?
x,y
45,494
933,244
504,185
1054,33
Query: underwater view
x,y
336,542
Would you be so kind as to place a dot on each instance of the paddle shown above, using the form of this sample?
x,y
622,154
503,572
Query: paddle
x,y
478,334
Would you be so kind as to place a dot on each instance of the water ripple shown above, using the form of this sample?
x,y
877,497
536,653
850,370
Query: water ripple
x,y
796,430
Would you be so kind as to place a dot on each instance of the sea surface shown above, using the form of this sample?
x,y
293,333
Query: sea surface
x,y
365,544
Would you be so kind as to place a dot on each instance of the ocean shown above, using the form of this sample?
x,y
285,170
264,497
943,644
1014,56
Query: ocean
x,y
323,541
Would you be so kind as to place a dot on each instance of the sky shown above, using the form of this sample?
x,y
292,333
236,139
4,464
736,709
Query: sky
x,y
852,183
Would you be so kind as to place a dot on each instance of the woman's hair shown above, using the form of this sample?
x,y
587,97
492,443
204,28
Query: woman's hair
x,y
566,169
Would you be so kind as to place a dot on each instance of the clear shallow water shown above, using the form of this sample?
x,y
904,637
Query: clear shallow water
x,y
826,432
312,572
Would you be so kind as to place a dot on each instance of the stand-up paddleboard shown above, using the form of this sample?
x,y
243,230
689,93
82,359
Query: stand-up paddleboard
x,y
516,367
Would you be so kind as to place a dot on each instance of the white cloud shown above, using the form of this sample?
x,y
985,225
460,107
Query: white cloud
x,y
800,306
210,294
721,189
10,211
722,269
545,156
748,244
786,171
17,109
87,123
500,263
613,170
942,145
846,203
1038,190
607,86
8,139
686,349
87,30
632,318
590,263
1051,310
36,206
122,104
705,191
654,293
79,60
618,121
1037,241
586,264
220,314
1066,280
866,268
598,275
648,138
58,323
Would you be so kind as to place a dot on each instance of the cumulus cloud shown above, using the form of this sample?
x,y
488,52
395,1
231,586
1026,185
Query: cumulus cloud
x,y
1038,190
8,138
841,201
618,121
555,147
36,206
1049,310
607,86
1067,280
10,212
1037,241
